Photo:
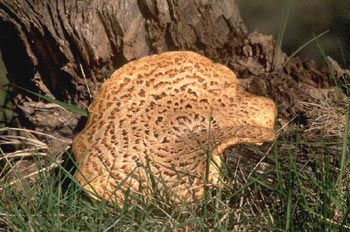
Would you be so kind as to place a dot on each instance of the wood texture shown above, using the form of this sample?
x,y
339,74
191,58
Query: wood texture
x,y
66,48
67,45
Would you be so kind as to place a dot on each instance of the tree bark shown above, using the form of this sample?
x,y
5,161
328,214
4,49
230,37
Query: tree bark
x,y
70,46
65,49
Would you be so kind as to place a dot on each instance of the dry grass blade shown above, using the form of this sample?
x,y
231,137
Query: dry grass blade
x,y
29,133
52,166
16,140
20,164
327,118
21,154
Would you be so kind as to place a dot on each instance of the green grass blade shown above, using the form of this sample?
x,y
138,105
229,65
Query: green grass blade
x,y
282,30
344,150
66,106
303,46
289,189
284,23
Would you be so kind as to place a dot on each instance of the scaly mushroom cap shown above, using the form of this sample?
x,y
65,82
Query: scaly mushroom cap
x,y
156,116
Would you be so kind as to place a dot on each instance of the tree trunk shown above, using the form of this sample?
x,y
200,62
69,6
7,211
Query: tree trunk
x,y
65,49
69,47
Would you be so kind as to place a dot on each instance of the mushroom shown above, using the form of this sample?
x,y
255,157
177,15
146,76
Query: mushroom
x,y
155,121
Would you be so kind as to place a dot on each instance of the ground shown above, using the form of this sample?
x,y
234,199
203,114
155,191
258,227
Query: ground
x,y
298,182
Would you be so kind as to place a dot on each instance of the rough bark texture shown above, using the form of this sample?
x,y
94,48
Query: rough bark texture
x,y
61,42
65,49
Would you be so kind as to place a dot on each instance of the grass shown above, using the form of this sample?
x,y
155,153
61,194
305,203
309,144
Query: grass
x,y
51,207
297,185
309,192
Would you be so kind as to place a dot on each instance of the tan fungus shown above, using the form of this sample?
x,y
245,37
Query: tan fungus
x,y
155,115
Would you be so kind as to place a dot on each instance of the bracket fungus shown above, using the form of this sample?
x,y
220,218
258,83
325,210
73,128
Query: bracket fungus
x,y
151,123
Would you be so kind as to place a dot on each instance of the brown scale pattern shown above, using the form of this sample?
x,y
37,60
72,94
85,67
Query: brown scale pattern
x,y
152,112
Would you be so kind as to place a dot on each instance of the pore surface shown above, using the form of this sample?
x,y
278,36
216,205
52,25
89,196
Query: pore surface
x,y
157,116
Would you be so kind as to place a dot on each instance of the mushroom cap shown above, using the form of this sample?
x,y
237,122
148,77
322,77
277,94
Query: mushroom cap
x,y
156,116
